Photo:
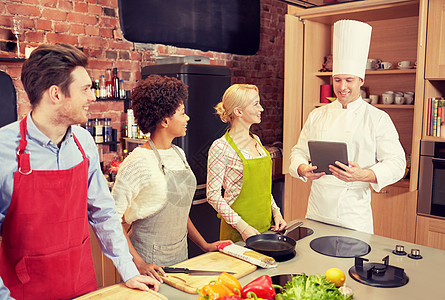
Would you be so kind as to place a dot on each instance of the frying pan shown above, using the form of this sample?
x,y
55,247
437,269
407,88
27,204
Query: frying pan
x,y
274,245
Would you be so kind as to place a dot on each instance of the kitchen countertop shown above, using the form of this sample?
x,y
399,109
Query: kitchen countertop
x,y
426,276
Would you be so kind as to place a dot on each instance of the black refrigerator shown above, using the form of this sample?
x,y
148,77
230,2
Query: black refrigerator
x,y
206,86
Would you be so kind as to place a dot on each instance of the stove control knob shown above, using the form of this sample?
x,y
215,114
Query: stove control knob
x,y
400,250
415,254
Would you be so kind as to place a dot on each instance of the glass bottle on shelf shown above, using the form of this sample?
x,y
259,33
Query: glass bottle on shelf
x,y
90,127
109,84
98,130
130,122
125,131
17,30
124,154
134,131
115,80
121,89
93,85
97,87
108,134
102,88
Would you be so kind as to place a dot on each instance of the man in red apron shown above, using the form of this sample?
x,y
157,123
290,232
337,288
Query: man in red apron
x,y
52,186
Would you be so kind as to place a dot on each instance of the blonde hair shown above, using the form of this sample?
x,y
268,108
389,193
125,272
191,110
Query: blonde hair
x,y
235,96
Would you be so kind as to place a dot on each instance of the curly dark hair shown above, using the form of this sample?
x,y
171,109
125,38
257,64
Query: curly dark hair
x,y
156,98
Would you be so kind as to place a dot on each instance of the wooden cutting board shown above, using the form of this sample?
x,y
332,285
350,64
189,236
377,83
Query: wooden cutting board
x,y
212,261
120,292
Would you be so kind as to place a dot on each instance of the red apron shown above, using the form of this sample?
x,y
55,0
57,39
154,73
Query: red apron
x,y
46,252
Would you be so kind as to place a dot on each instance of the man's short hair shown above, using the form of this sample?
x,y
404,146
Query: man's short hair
x,y
50,65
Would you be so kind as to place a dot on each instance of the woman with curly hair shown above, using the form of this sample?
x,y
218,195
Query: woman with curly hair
x,y
154,186
239,164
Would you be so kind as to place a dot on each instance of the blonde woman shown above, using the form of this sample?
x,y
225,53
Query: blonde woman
x,y
239,164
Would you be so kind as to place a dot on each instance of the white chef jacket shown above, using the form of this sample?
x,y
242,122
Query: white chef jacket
x,y
373,142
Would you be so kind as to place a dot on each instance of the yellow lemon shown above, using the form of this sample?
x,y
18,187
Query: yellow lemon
x,y
336,276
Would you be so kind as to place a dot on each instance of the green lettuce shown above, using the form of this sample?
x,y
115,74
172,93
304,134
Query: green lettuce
x,y
312,287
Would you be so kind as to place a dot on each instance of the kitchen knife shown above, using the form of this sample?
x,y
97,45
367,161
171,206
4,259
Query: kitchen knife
x,y
193,272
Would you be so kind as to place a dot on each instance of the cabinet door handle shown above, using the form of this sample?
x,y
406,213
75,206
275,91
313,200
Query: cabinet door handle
x,y
384,192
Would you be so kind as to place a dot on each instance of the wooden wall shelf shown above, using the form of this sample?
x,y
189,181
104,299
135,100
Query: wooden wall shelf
x,y
11,59
398,106
434,138
136,141
383,106
376,72
112,99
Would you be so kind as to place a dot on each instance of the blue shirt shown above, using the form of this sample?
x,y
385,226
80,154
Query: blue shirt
x,y
4,292
45,155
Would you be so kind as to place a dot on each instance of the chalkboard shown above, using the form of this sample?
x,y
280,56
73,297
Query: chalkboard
x,y
230,26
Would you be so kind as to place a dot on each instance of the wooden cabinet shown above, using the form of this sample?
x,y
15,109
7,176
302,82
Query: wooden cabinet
x,y
106,273
398,34
296,194
394,210
435,63
434,79
430,231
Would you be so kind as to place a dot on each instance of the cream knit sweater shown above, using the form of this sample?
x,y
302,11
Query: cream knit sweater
x,y
140,188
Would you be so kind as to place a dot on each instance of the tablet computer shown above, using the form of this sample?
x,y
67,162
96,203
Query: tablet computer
x,y
325,153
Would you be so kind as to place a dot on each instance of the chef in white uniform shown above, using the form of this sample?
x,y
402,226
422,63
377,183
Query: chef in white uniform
x,y
376,157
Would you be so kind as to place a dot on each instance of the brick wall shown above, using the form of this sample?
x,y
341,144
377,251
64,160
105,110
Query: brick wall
x,y
93,25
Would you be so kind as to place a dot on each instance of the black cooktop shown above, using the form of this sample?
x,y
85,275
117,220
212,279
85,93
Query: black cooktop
x,y
340,246
281,280
377,274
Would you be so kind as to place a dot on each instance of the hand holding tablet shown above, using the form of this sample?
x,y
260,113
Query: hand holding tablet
x,y
324,153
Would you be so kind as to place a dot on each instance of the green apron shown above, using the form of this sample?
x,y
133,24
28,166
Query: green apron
x,y
253,203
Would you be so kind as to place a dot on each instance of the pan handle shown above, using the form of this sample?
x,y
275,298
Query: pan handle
x,y
292,227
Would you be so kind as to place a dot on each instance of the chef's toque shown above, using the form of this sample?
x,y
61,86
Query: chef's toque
x,y
350,47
